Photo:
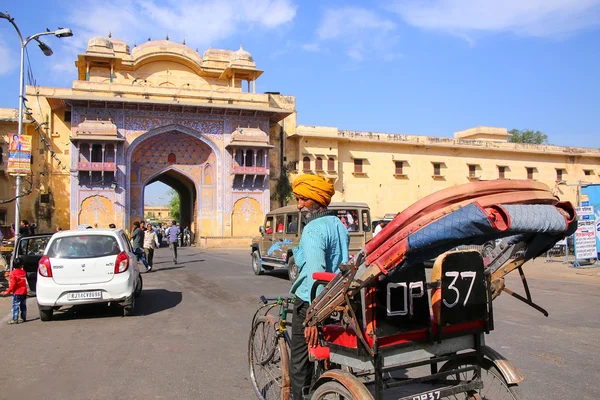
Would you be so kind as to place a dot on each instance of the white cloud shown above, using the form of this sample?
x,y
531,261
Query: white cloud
x,y
7,57
361,33
524,17
352,21
313,48
202,23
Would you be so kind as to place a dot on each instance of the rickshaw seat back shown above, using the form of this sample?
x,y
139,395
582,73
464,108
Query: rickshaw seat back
x,y
398,304
462,297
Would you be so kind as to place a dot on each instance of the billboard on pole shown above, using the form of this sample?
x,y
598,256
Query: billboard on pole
x,y
591,197
19,154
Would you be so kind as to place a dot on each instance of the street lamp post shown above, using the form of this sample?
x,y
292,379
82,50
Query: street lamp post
x,y
60,33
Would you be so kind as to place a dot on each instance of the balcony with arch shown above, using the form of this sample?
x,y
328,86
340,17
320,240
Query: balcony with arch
x,y
97,146
249,149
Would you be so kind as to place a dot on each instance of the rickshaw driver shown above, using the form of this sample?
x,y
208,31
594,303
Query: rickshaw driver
x,y
323,247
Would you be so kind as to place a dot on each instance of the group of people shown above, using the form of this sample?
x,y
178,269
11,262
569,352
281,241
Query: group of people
x,y
145,239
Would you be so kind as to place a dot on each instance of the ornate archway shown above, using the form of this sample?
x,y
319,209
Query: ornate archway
x,y
185,160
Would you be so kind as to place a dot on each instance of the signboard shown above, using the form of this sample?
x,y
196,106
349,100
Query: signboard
x,y
585,236
592,196
19,154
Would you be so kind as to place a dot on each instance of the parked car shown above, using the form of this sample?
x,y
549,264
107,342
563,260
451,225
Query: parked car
x,y
90,266
30,249
282,230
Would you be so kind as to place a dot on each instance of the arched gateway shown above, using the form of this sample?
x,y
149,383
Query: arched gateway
x,y
162,112
185,160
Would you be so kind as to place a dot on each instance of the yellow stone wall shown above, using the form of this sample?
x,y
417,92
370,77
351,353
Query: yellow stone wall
x,y
387,193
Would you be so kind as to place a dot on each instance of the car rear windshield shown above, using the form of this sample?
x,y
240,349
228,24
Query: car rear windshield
x,y
91,246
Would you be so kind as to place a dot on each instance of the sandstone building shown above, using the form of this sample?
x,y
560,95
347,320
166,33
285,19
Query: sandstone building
x,y
160,111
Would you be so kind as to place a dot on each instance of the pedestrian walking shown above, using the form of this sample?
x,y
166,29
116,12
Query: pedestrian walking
x,y
18,287
24,229
173,233
150,242
138,244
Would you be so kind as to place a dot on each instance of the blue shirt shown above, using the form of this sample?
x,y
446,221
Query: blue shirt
x,y
323,247
173,233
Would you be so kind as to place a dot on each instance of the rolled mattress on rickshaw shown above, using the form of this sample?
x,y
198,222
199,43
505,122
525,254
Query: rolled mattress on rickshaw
x,y
468,214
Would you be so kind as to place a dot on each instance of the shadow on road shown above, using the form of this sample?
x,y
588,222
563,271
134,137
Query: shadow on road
x,y
150,302
156,300
166,268
278,273
87,311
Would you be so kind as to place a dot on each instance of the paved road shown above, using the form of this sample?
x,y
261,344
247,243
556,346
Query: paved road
x,y
189,338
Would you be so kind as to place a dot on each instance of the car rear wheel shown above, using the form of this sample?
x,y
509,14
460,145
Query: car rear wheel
x,y
46,315
129,309
138,289
256,263
292,269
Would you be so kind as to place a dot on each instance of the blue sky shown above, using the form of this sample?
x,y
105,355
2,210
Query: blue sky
x,y
407,66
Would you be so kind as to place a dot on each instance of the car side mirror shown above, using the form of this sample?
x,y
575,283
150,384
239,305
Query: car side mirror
x,y
261,229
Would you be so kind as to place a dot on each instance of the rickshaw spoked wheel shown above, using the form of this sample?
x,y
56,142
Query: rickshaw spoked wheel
x,y
332,391
339,385
268,358
495,386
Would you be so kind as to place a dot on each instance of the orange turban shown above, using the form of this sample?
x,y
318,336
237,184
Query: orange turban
x,y
313,187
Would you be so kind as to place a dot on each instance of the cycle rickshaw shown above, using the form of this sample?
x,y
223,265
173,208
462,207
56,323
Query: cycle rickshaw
x,y
389,331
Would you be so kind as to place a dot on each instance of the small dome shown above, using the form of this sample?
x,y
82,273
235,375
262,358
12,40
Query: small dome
x,y
249,135
120,46
100,44
217,55
241,55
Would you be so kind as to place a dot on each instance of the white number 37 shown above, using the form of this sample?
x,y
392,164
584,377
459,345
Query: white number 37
x,y
463,275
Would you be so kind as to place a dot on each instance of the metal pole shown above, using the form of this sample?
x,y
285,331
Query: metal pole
x,y
20,131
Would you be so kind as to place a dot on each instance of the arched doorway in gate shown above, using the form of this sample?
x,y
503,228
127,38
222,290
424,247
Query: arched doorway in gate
x,y
188,196
185,162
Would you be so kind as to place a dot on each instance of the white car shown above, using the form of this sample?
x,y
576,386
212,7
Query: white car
x,y
83,267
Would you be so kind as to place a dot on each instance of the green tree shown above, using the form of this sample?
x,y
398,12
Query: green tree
x,y
527,136
174,205
283,188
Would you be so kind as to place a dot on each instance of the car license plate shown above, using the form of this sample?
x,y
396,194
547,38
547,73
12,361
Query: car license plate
x,y
84,295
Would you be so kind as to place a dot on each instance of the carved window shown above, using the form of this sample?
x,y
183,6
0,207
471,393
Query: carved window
x,y
249,158
306,164
239,158
260,158
588,172
109,153
437,169
171,159
331,164
358,166
97,153
559,174
319,164
501,172
399,167
84,153
472,171
530,173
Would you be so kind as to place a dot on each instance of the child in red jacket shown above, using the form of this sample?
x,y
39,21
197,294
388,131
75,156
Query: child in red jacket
x,y
18,286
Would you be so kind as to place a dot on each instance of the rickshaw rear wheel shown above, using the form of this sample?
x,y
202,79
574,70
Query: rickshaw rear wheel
x,y
332,391
495,386
268,359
